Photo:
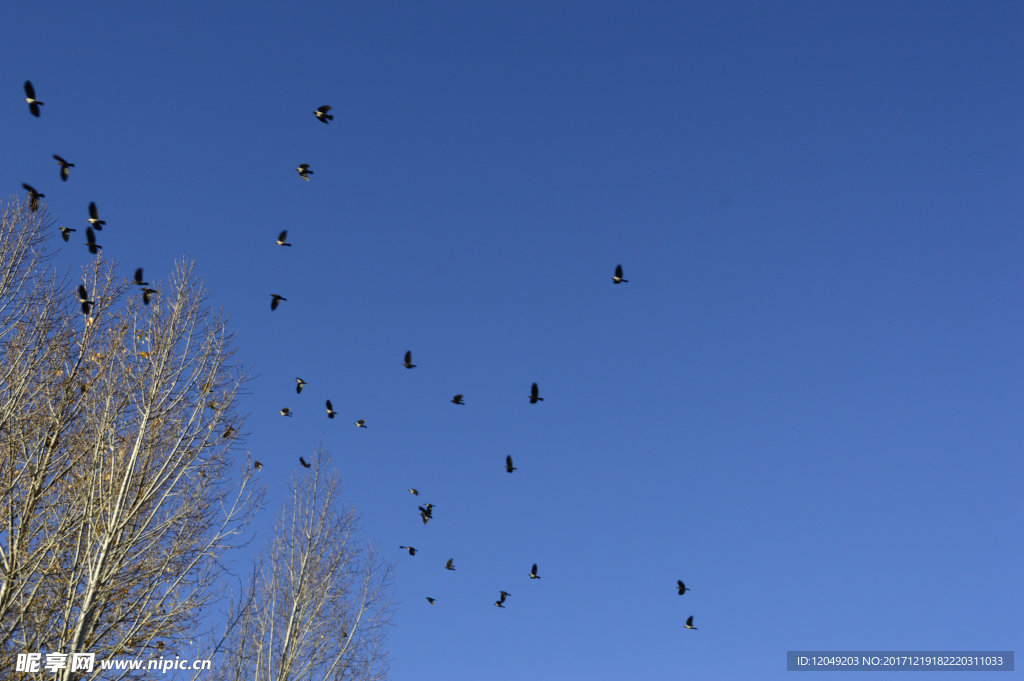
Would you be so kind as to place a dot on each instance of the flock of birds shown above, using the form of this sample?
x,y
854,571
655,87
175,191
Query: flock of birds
x,y
96,224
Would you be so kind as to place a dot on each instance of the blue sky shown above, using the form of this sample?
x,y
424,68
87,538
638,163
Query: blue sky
x,y
806,402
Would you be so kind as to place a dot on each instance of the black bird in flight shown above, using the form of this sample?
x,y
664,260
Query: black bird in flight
x,y
304,171
508,464
299,385
450,565
689,623
682,587
139,279
408,360
282,238
285,411
229,432
457,399
304,463
415,492
533,572
146,293
330,410
426,513
500,602
90,241
431,600
276,300
33,196
94,217
83,298
410,549
535,394
322,115
65,167
258,465
617,279
30,98
361,423
65,232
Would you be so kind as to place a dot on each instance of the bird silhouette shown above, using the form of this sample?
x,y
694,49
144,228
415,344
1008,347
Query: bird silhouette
x,y
146,293
90,241
258,466
426,513
361,423
139,279
500,602
229,432
94,217
508,465
285,411
304,171
65,232
299,385
535,394
330,410
276,300
322,115
450,565
457,399
617,279
410,549
33,197
304,463
431,600
30,98
83,298
689,623
408,360
533,572
682,587
415,492
282,238
65,167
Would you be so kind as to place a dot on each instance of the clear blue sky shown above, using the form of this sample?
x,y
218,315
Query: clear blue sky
x,y
806,402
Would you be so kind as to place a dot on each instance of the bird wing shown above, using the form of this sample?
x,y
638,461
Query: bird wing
x,y
29,90
93,212
408,354
283,236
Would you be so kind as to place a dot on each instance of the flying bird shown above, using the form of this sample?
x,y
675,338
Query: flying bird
x,y
65,167
450,565
361,423
229,432
689,623
304,463
304,171
139,279
410,549
508,464
426,513
500,602
415,492
330,410
533,572
94,217
83,298
33,103
282,238
535,394
457,399
617,279
146,293
408,360
65,232
299,385
258,465
682,587
322,115
285,411
431,600
33,197
90,241
276,300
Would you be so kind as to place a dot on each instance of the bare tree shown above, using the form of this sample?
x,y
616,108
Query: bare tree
x,y
116,489
320,605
